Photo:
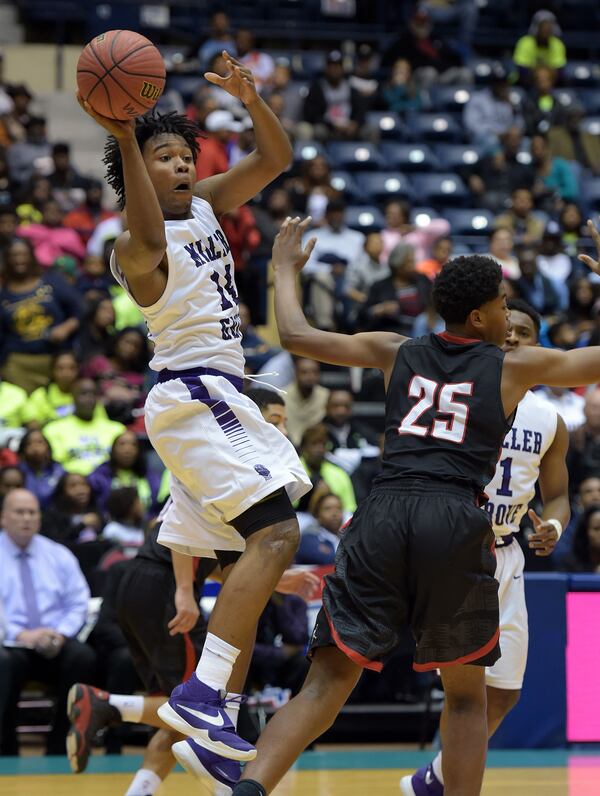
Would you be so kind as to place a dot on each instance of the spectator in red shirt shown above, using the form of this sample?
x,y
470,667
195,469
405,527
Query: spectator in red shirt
x,y
215,148
441,251
243,236
85,218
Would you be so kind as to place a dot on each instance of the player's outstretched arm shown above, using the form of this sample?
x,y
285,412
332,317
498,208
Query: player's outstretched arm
x,y
273,151
527,367
366,349
141,248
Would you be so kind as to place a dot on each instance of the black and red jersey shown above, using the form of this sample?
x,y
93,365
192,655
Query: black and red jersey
x,y
444,413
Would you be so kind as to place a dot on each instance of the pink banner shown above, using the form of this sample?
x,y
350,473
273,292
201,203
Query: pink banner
x,y
583,666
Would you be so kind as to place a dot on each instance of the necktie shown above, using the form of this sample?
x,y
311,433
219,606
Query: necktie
x,y
31,606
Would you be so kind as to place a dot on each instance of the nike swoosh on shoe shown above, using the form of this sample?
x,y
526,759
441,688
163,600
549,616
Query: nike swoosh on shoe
x,y
216,721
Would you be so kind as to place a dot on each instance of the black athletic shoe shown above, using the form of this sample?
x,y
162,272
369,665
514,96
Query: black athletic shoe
x,y
89,711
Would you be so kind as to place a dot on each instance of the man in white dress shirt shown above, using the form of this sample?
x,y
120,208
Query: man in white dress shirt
x,y
44,595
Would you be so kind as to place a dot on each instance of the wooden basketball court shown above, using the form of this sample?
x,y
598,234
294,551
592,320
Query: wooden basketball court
x,y
354,772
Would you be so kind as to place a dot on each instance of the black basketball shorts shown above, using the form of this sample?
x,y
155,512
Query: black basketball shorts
x,y
420,553
145,606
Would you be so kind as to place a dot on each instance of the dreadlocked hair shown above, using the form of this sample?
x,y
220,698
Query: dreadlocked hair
x,y
146,127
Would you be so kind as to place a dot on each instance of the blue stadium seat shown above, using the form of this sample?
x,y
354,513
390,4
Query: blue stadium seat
x,y
308,63
456,156
389,124
469,222
444,189
524,154
591,193
459,249
436,127
568,97
381,186
591,125
449,98
365,218
345,183
517,95
582,73
354,156
483,69
307,150
408,157
421,216
590,99
186,85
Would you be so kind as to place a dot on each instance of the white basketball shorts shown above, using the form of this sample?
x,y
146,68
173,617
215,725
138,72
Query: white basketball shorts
x,y
508,672
223,458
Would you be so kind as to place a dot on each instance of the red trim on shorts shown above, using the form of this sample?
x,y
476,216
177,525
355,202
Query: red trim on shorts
x,y
354,656
455,338
190,657
472,656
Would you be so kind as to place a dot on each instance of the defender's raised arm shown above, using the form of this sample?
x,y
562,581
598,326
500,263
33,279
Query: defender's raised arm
x,y
366,349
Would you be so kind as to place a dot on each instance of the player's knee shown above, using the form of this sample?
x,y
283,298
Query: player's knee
x,y
331,678
280,540
466,702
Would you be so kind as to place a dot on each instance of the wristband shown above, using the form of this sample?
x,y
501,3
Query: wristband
x,y
557,525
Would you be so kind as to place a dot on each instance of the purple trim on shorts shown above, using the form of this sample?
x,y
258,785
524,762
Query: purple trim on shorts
x,y
222,412
504,541
168,375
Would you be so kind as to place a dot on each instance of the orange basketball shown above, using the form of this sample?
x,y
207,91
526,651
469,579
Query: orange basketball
x,y
121,74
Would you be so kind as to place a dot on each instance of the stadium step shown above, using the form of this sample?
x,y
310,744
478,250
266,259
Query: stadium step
x,y
67,122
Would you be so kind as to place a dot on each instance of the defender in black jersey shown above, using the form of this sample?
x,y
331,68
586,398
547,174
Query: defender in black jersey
x,y
418,550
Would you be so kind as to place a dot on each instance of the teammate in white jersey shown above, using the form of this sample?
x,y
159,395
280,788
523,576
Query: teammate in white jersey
x,y
234,475
534,450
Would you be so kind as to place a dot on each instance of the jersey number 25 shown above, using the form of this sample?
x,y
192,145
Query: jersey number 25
x,y
430,393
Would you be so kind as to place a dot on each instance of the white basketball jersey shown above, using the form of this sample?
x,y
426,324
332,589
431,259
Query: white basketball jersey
x,y
513,486
195,323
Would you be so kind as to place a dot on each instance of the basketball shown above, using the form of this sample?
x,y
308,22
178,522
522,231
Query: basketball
x,y
121,74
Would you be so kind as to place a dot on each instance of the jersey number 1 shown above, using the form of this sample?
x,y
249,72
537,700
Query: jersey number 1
x,y
430,393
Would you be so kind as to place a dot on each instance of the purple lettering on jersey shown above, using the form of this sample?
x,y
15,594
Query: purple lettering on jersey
x,y
205,251
195,254
211,253
223,241
502,514
510,440
520,439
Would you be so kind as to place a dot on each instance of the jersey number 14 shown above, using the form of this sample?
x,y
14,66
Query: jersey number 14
x,y
443,396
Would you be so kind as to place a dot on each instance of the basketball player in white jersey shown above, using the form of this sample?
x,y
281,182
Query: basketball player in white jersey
x,y
234,475
534,450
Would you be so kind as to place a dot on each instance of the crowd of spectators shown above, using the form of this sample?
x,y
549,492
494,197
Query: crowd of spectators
x,y
73,349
